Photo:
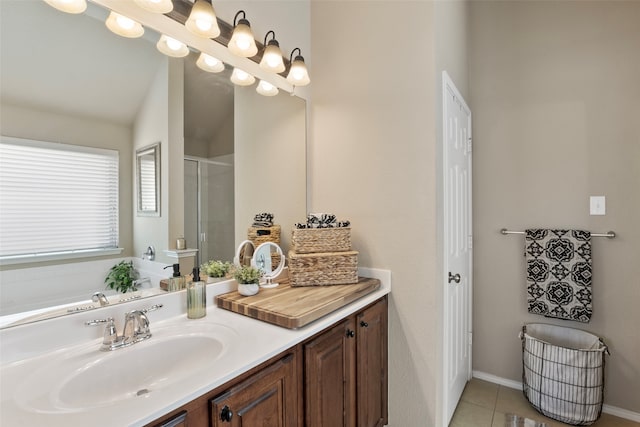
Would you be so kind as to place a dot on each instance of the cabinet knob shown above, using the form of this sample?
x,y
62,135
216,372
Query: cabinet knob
x,y
350,333
226,414
364,324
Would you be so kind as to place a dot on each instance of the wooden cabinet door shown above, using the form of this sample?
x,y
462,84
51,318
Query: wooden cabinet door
x,y
267,399
179,420
372,391
330,377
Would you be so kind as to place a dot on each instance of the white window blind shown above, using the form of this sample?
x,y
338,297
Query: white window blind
x,y
56,198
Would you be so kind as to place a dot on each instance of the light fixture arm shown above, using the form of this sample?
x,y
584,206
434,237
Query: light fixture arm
x,y
291,56
243,20
273,39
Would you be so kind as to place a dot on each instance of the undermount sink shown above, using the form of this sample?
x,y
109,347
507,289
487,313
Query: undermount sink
x,y
86,378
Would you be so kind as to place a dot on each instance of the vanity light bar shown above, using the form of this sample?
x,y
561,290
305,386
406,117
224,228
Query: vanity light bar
x,y
200,19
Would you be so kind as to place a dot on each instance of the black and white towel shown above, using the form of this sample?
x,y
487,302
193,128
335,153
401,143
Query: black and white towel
x,y
264,219
559,273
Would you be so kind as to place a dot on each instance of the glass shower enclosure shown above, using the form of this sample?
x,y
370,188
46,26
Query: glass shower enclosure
x,y
209,207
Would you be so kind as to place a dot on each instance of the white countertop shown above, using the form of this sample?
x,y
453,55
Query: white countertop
x,y
35,348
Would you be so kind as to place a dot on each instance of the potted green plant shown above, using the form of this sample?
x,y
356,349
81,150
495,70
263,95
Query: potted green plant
x,y
248,279
215,269
121,277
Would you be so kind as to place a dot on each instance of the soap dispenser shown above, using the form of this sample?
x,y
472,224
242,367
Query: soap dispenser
x,y
177,281
196,297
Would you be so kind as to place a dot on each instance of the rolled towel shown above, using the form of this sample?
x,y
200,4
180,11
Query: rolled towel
x,y
322,220
263,220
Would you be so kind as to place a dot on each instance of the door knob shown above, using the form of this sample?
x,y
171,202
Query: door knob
x,y
454,277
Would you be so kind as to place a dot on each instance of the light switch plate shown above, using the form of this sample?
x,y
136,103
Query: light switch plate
x,y
597,205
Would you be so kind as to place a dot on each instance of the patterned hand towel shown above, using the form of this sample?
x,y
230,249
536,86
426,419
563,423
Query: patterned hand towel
x,y
559,273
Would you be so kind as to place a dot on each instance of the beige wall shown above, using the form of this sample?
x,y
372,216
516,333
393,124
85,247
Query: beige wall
x,y
372,161
270,157
174,173
150,127
556,102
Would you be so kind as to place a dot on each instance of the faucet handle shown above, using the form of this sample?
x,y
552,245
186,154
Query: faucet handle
x,y
96,322
152,308
110,337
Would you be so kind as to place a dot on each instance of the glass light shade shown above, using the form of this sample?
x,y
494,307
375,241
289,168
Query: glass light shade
x,y
242,78
202,20
124,26
209,63
272,58
298,74
156,6
266,89
172,47
242,42
69,6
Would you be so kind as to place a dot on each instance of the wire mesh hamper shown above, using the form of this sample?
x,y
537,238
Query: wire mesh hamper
x,y
563,372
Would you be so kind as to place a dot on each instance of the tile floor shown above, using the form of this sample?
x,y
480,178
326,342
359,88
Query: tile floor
x,y
485,404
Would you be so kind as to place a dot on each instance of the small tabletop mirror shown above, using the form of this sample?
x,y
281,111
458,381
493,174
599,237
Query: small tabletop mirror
x,y
269,258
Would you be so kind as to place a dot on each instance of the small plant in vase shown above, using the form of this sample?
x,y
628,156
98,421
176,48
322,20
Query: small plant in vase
x,y
248,279
121,277
215,269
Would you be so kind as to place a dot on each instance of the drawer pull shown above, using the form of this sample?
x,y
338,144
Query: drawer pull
x,y
226,414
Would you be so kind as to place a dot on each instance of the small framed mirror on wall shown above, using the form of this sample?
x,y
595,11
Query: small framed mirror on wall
x,y
148,180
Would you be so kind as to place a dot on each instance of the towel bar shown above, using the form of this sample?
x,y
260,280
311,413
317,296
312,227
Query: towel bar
x,y
609,234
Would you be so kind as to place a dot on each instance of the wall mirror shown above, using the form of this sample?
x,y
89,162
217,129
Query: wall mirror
x,y
148,180
93,92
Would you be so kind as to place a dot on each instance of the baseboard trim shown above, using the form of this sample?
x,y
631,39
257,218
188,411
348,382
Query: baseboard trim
x,y
608,409
497,380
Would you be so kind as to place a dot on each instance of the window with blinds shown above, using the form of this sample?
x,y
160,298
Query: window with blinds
x,y
56,199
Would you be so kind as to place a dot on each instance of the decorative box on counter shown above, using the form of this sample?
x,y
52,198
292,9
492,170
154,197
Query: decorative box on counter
x,y
321,240
324,268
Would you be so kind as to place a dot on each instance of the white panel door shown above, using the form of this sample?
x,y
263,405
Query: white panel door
x,y
457,246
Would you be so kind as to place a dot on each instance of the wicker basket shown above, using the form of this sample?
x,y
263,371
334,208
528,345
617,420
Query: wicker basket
x,y
259,235
321,269
319,240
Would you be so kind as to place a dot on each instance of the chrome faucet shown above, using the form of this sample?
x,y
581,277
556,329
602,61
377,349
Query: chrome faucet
x,y
149,254
136,326
136,329
140,281
99,297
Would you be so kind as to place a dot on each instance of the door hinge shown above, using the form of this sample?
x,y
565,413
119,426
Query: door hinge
x,y
469,144
470,242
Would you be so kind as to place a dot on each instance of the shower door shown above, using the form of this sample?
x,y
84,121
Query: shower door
x,y
209,208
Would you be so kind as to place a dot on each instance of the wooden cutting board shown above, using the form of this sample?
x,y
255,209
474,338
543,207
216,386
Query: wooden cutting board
x,y
294,307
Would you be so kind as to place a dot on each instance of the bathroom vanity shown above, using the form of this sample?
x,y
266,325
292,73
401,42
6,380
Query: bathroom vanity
x,y
223,369
338,377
